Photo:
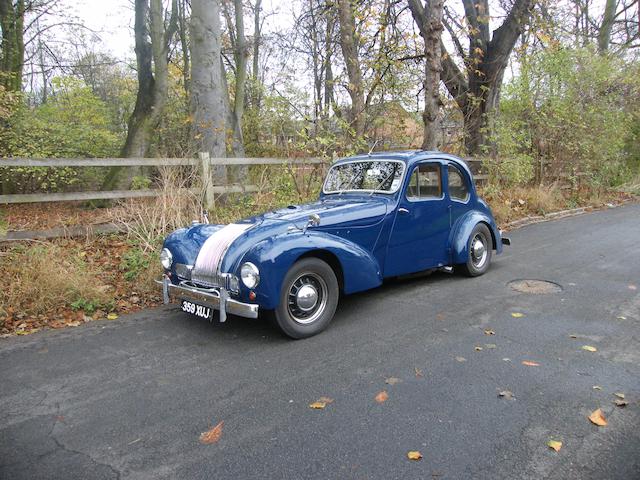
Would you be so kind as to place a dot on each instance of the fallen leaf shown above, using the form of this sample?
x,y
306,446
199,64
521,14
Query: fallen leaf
x,y
597,387
632,287
418,372
318,405
621,403
489,332
506,359
619,395
490,345
112,316
529,363
414,455
73,324
589,348
597,418
212,435
621,317
554,444
506,394
461,359
573,335
440,316
517,314
392,380
382,397
478,349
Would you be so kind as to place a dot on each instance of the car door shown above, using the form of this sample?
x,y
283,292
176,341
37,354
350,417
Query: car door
x,y
418,239
457,192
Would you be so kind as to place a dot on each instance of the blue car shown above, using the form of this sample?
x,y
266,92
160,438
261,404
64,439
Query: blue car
x,y
378,216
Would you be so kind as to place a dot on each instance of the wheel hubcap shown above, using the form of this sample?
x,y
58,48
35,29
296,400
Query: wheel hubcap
x,y
479,252
307,298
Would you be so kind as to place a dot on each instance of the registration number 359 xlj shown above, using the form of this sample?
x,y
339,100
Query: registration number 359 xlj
x,y
195,309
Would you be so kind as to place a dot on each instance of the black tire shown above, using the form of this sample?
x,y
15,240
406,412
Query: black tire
x,y
295,314
478,262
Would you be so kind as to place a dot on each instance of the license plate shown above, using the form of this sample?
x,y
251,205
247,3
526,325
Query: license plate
x,y
195,309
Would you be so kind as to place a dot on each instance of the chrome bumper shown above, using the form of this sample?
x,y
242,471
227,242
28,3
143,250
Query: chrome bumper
x,y
216,298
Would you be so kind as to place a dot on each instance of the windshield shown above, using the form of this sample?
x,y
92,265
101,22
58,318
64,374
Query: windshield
x,y
382,176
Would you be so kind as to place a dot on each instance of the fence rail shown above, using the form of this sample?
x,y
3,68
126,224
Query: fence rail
x,y
204,162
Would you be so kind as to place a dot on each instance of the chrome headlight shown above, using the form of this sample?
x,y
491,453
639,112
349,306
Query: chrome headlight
x,y
250,275
166,259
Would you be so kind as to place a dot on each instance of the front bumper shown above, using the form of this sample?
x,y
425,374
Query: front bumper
x,y
216,298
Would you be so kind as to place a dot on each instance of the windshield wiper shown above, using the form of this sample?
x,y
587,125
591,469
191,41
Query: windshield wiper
x,y
393,172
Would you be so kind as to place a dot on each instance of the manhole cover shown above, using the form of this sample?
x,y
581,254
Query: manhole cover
x,y
536,287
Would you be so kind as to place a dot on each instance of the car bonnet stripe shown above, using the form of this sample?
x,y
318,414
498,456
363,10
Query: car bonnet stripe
x,y
213,249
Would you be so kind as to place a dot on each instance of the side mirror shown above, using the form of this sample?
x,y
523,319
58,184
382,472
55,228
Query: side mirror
x,y
313,221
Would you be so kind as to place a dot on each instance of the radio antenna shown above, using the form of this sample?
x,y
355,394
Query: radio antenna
x,y
373,146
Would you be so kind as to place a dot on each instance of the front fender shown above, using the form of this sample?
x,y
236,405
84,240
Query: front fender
x,y
462,230
274,257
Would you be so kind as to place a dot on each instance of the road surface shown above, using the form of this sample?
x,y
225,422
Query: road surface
x,y
130,398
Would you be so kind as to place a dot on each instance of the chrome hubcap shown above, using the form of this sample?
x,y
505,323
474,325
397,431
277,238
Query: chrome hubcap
x,y
479,251
307,298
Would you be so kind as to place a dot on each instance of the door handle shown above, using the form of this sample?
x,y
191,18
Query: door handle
x,y
403,210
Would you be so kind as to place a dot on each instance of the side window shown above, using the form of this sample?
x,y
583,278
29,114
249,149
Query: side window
x,y
457,186
425,182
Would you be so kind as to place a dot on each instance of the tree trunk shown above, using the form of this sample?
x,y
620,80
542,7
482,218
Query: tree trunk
x,y
184,45
152,46
349,48
240,55
431,17
207,105
604,33
12,44
257,38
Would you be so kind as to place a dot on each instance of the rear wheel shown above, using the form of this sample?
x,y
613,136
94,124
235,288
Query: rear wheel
x,y
479,246
308,298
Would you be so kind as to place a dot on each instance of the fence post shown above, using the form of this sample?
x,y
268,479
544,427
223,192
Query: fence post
x,y
207,180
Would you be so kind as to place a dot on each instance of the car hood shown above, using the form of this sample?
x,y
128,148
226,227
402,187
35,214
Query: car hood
x,y
333,212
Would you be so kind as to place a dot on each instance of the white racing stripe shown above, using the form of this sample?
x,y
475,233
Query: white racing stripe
x,y
210,255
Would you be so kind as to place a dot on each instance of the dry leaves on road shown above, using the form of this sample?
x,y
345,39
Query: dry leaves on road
x,y
489,332
478,348
597,387
382,397
414,455
461,359
597,418
418,372
392,380
589,348
112,316
212,435
620,401
517,314
555,445
529,363
321,403
632,287
506,394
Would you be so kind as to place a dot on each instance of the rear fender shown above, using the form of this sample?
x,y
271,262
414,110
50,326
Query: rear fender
x,y
459,238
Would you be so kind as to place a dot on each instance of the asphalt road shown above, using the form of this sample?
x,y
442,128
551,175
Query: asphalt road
x,y
129,398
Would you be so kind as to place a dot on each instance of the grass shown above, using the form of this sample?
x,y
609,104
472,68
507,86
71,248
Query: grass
x,y
40,278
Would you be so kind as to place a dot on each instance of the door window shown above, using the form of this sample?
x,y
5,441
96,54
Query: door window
x,y
457,186
425,182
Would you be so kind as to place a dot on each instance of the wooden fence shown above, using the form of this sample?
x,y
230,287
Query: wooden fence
x,y
204,162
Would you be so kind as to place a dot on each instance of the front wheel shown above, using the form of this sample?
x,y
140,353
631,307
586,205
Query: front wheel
x,y
479,246
308,298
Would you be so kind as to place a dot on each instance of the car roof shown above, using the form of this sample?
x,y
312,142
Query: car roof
x,y
410,157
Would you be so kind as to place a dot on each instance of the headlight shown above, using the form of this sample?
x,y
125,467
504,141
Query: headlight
x,y
166,259
250,275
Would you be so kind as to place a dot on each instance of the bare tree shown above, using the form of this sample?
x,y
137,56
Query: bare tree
x,y
477,90
207,93
431,30
349,46
152,42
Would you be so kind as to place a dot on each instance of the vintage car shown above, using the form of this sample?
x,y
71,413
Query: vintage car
x,y
378,216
